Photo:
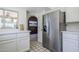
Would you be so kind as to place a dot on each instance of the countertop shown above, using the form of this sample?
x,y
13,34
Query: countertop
x,y
13,32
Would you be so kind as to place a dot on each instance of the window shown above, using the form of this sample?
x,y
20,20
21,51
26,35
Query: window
x,y
8,19
1,12
1,23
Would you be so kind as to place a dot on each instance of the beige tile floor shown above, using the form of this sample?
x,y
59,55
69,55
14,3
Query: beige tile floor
x,y
37,47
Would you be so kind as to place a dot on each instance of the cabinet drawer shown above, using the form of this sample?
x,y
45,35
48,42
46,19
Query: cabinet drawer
x,y
23,35
70,36
8,46
23,44
7,37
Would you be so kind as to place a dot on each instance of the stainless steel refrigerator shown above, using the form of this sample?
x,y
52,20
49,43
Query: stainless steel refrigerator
x,y
53,24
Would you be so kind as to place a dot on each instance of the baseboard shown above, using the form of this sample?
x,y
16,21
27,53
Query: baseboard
x,y
25,50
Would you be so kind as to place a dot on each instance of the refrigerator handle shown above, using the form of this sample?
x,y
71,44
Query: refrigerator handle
x,y
49,30
44,28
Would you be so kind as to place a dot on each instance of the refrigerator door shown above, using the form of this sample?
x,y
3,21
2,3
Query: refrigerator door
x,y
45,32
54,31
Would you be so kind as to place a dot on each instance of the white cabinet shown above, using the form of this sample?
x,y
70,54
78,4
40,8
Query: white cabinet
x,y
72,14
23,44
6,37
70,46
19,35
8,46
70,41
15,42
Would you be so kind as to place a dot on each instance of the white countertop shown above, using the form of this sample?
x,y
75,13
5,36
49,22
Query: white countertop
x,y
71,32
13,31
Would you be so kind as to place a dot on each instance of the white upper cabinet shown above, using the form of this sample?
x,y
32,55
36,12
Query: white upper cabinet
x,y
11,14
72,14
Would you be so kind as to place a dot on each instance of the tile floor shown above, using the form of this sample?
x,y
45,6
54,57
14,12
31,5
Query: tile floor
x,y
37,47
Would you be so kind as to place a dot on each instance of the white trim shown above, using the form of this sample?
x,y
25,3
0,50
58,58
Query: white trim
x,y
49,11
24,50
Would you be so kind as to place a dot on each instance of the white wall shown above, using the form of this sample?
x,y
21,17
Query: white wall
x,y
22,15
40,28
73,27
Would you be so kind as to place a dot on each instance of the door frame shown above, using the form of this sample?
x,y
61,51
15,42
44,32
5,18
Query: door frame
x,y
34,20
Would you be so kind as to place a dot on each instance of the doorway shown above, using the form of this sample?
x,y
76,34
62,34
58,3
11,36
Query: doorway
x,y
33,27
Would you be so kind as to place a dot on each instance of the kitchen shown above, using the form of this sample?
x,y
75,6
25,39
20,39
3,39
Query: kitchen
x,y
15,36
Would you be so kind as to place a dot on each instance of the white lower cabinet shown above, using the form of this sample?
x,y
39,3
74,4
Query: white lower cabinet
x,y
70,41
7,37
23,44
70,46
8,46
16,42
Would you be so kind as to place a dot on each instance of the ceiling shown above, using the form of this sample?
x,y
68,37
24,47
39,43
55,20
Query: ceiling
x,y
41,9
37,9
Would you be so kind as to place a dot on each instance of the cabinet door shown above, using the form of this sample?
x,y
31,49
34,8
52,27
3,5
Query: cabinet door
x,y
72,14
7,37
70,45
20,35
23,44
8,46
